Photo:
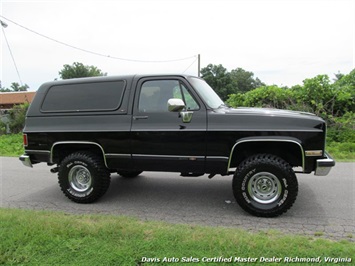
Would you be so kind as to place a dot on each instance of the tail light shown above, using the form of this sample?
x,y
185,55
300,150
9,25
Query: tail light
x,y
25,140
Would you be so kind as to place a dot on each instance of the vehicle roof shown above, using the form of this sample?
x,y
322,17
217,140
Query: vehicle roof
x,y
109,78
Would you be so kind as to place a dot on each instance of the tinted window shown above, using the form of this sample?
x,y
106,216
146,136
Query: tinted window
x,y
155,94
98,96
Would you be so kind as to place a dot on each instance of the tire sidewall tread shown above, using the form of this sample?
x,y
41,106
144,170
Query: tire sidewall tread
x,y
265,163
99,174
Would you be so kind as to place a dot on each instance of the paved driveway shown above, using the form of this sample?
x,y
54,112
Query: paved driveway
x,y
325,205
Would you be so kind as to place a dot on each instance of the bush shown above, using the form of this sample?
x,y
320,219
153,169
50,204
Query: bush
x,y
17,117
334,102
11,145
342,129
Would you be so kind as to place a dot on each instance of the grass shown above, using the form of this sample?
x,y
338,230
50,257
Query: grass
x,y
11,145
342,151
53,238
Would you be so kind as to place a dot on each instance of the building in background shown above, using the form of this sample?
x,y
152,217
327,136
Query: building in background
x,y
8,100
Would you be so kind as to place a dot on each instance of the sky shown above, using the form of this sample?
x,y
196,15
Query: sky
x,y
281,42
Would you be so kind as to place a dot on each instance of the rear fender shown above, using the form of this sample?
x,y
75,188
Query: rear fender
x,y
76,146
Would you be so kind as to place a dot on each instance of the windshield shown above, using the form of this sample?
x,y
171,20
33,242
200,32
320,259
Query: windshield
x,y
208,95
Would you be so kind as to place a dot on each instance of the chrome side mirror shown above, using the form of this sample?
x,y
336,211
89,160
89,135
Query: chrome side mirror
x,y
178,105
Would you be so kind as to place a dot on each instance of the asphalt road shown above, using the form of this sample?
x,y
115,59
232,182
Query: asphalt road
x,y
325,206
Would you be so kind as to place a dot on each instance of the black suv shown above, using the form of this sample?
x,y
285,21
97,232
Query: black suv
x,y
91,127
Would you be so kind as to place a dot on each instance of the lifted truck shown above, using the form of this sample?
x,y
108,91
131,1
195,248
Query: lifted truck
x,y
92,127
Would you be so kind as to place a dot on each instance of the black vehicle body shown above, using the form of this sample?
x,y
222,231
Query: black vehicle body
x,y
130,137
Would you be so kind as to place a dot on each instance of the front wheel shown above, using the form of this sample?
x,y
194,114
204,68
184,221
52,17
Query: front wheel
x,y
265,185
83,177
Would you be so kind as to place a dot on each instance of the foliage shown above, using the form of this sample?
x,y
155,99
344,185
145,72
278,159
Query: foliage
x,y
219,79
226,83
244,81
11,145
342,129
3,128
17,117
334,102
52,238
15,87
317,95
79,70
266,96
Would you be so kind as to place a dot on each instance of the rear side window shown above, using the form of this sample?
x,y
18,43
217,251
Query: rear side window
x,y
84,97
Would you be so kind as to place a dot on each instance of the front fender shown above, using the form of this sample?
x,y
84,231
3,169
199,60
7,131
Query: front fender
x,y
277,142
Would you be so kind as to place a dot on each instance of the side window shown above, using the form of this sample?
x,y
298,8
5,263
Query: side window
x,y
84,97
190,102
154,95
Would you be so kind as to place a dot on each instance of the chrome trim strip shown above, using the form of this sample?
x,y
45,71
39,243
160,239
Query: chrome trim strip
x,y
117,155
217,158
80,143
260,140
185,157
37,152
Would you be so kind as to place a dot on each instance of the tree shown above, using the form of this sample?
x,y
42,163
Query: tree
x,y
79,70
226,83
219,79
344,88
244,81
15,87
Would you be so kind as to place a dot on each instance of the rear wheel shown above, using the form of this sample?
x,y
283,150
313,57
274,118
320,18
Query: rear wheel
x,y
83,177
265,185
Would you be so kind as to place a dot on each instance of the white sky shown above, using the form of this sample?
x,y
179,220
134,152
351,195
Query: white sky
x,y
282,42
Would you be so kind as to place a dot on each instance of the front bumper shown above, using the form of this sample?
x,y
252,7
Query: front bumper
x,y
323,166
26,160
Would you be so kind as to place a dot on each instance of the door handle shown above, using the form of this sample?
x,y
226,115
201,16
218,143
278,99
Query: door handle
x,y
137,117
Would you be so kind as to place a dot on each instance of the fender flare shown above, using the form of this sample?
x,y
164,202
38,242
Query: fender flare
x,y
268,139
77,143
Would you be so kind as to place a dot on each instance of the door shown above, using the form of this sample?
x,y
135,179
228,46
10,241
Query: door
x,y
160,140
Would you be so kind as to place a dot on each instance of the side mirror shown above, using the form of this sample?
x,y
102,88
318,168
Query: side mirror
x,y
186,116
176,105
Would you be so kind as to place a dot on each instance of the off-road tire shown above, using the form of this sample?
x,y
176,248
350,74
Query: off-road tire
x,y
83,177
265,185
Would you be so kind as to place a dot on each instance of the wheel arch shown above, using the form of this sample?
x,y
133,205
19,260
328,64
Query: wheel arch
x,y
289,149
61,149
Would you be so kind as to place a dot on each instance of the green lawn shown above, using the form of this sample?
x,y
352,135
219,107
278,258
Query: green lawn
x,y
53,238
11,145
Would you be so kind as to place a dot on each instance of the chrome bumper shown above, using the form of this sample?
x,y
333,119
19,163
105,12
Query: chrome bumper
x,y
25,159
323,166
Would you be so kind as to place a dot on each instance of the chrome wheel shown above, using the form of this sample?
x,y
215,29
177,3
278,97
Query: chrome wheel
x,y
80,178
264,187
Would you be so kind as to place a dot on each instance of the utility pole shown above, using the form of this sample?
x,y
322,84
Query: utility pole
x,y
198,65
4,25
